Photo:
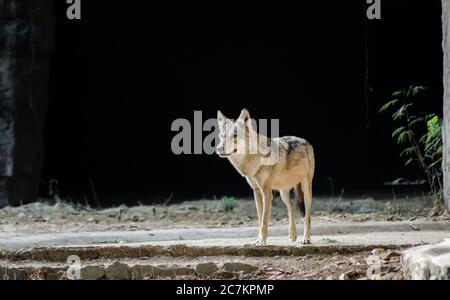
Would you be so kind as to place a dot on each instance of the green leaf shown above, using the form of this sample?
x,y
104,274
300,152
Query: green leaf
x,y
439,161
397,93
415,120
433,121
407,151
398,131
409,161
397,181
403,136
418,89
401,112
388,105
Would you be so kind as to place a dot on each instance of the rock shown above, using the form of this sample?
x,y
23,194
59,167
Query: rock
x,y
52,273
239,267
3,270
206,268
118,271
92,272
183,271
366,210
222,274
391,276
17,274
414,228
349,275
427,262
387,256
378,251
148,271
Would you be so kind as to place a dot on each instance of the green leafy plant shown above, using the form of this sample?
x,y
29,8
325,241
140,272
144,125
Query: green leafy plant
x,y
229,204
422,136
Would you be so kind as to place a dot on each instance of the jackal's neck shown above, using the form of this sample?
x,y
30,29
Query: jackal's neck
x,y
246,164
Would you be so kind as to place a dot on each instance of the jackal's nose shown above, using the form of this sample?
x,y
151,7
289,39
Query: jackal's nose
x,y
219,151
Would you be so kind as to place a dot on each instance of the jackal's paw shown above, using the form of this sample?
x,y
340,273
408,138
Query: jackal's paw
x,y
259,242
293,238
306,241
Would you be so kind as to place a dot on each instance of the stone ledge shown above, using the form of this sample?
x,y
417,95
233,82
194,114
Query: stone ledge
x,y
60,254
427,262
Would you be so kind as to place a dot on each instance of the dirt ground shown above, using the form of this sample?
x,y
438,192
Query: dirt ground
x,y
58,217
65,217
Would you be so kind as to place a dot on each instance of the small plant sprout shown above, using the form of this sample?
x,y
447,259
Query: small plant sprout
x,y
229,204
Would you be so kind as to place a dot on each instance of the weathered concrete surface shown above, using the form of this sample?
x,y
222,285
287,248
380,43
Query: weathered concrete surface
x,y
328,238
427,262
368,233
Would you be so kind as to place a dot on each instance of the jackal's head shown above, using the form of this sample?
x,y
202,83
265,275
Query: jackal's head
x,y
236,137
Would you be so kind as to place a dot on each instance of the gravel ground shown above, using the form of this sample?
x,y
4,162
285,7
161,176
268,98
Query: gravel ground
x,y
42,217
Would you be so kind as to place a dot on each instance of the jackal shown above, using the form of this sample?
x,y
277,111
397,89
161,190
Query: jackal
x,y
291,167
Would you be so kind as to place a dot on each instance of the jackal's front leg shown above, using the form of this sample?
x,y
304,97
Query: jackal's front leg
x,y
264,226
259,209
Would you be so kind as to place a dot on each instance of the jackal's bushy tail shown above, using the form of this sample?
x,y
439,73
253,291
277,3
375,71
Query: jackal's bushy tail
x,y
299,195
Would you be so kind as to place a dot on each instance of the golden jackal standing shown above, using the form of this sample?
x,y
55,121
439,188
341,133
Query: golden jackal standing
x,y
269,164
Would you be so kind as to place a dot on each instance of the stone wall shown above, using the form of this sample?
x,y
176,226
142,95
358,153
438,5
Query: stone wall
x,y
26,40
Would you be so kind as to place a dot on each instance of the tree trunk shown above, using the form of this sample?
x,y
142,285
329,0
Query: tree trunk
x,y
446,132
26,39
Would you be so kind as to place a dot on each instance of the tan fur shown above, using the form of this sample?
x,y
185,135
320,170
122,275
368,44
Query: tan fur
x,y
292,169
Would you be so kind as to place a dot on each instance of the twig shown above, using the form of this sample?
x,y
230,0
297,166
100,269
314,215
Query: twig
x,y
94,193
168,199
332,187
394,201
338,201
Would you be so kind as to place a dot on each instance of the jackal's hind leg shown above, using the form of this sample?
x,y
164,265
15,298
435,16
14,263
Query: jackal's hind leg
x,y
291,212
307,190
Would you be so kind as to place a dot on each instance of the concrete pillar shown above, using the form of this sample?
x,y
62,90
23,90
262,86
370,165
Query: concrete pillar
x,y
26,39
446,133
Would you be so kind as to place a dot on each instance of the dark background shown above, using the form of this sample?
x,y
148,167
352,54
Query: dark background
x,y
128,69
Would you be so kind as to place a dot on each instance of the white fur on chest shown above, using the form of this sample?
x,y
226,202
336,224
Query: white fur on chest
x,y
245,165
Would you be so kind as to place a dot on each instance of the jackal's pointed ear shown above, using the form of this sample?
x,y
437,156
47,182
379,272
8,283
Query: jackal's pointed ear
x,y
221,117
245,115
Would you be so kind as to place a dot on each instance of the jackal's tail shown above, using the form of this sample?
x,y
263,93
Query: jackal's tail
x,y
300,197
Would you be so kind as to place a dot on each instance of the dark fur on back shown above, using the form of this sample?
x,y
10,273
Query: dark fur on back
x,y
294,143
